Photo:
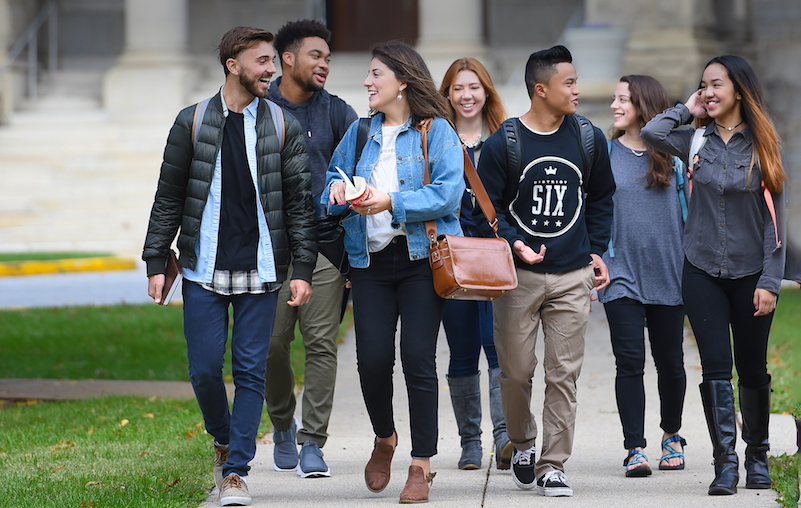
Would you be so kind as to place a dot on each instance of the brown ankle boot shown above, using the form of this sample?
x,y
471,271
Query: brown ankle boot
x,y
417,486
376,473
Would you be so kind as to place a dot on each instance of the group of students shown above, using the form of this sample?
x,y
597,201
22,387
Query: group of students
x,y
579,213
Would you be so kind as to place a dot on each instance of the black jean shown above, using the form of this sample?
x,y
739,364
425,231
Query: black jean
x,y
714,305
627,321
391,287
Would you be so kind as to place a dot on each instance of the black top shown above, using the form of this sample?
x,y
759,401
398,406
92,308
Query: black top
x,y
239,228
550,203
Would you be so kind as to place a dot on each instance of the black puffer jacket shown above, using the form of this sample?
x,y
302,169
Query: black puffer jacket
x,y
284,190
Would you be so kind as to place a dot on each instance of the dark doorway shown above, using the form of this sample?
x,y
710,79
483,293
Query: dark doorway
x,y
357,25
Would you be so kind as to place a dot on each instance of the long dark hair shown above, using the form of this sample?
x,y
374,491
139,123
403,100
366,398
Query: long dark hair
x,y
755,115
493,112
649,98
424,99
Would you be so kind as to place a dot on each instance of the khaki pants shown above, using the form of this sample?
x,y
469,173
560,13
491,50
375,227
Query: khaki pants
x,y
319,325
561,301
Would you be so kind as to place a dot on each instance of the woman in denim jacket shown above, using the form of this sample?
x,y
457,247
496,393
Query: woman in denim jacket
x,y
734,251
387,248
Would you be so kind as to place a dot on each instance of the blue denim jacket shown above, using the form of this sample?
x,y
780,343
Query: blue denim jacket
x,y
415,203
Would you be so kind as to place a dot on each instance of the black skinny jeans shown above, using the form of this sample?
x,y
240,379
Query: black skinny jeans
x,y
627,321
391,287
713,305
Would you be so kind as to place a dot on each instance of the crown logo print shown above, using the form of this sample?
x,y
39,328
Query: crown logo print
x,y
550,170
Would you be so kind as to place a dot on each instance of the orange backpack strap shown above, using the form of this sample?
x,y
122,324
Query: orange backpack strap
x,y
772,210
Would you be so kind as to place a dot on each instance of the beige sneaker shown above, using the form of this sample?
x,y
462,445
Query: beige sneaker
x,y
220,458
234,491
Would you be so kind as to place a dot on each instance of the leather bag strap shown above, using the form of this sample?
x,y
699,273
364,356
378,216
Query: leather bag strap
x,y
472,177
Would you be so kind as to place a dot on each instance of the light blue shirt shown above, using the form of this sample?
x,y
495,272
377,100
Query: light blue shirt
x,y
206,248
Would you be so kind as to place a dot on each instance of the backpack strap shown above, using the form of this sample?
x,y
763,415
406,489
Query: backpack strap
x,y
586,140
678,167
514,153
695,147
278,120
197,119
362,133
337,113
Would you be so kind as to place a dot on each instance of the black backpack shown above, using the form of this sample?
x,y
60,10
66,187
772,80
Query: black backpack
x,y
586,141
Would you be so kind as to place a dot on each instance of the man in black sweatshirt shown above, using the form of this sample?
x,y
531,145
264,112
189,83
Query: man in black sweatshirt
x,y
550,201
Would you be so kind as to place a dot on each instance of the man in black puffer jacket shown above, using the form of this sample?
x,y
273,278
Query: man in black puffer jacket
x,y
238,184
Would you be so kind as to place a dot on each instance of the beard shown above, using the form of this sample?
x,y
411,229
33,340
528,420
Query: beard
x,y
252,84
309,84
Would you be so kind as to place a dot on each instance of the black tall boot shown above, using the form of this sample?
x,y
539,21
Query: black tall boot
x,y
466,400
755,408
718,399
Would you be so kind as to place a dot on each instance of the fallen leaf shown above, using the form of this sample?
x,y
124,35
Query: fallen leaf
x,y
89,484
124,422
173,484
149,415
90,431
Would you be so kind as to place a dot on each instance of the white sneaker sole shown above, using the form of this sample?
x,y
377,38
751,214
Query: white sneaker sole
x,y
314,474
235,501
555,491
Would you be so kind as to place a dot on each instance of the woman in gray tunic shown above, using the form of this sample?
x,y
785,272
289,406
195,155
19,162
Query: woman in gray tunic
x,y
645,262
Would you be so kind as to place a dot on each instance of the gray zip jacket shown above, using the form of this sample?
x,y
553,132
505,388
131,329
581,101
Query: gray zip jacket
x,y
729,231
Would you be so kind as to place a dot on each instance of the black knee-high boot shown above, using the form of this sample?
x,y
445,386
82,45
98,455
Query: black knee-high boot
x,y
718,399
755,408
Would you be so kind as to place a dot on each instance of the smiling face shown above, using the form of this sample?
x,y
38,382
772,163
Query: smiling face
x,y
625,114
310,64
255,66
561,92
718,94
382,86
467,95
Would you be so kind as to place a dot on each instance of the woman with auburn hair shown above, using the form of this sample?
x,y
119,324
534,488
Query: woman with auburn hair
x,y
476,111
734,255
385,237
645,262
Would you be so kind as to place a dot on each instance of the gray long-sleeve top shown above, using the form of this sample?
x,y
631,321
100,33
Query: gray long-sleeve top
x,y
729,231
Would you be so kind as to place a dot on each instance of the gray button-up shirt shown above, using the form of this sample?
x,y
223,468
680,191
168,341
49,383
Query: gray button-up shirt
x,y
729,231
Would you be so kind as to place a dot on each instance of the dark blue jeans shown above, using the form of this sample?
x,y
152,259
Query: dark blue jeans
x,y
714,306
627,320
468,327
206,332
391,287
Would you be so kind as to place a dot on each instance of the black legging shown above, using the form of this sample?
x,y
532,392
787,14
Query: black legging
x,y
391,287
627,320
713,305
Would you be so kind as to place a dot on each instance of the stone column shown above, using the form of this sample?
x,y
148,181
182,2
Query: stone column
x,y
449,29
153,74
670,40
6,40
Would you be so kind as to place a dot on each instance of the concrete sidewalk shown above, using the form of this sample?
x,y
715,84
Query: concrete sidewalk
x,y
595,470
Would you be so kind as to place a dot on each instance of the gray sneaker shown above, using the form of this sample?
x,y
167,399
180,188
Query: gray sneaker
x,y
312,464
234,491
220,458
285,451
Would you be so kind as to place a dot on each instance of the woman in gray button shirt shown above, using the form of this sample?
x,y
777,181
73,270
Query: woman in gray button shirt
x,y
734,255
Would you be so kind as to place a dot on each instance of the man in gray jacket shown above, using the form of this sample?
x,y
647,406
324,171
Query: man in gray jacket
x,y
238,184
302,48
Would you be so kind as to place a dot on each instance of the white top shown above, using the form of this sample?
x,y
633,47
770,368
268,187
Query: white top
x,y
384,177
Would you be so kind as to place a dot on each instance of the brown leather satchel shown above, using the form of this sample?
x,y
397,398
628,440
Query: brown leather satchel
x,y
469,268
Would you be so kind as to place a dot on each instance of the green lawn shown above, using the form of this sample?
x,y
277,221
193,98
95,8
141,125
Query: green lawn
x,y
784,352
118,342
107,452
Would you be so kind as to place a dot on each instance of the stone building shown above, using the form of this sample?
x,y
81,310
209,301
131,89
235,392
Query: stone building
x,y
80,143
